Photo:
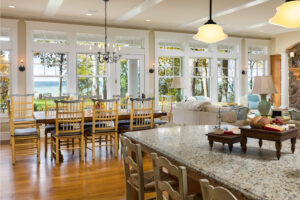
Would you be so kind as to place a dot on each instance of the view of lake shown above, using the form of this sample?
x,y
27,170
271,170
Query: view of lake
x,y
43,87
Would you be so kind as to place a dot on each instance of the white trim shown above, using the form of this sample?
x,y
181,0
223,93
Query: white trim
x,y
12,46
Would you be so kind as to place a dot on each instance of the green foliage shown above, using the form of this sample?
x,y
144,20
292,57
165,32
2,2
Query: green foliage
x,y
4,79
200,81
124,77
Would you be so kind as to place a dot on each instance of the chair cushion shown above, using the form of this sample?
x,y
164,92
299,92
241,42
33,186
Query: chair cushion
x,y
25,132
53,133
87,124
160,122
24,120
90,130
49,128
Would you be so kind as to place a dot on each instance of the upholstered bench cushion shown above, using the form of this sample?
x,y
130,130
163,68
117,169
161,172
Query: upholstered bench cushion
x,y
25,132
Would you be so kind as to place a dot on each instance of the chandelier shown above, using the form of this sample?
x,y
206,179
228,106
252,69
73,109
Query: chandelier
x,y
108,56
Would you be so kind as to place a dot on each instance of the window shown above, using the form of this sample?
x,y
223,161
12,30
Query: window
x,y
200,82
128,42
5,34
198,48
169,67
50,76
169,46
49,37
4,78
225,49
91,76
254,68
84,39
257,50
226,80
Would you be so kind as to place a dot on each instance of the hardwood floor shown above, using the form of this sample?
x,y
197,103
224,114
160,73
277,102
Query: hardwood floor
x,y
71,180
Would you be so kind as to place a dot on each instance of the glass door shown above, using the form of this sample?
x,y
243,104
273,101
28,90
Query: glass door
x,y
129,76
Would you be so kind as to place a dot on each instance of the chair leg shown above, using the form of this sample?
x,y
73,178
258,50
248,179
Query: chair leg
x,y
57,150
73,144
38,149
85,146
116,144
128,192
81,147
46,143
93,146
13,150
51,147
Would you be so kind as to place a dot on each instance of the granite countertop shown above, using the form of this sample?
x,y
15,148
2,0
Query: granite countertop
x,y
255,175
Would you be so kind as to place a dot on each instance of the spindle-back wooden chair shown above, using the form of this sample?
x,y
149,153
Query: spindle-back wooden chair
x,y
69,125
24,132
167,106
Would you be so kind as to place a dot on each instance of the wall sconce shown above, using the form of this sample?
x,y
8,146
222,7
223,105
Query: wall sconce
x,y
22,67
292,54
151,70
244,72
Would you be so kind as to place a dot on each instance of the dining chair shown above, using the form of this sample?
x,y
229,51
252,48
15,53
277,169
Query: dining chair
x,y
69,125
210,192
141,115
176,192
24,132
104,126
135,177
167,107
50,110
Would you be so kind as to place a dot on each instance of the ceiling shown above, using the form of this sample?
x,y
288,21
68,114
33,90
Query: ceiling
x,y
238,17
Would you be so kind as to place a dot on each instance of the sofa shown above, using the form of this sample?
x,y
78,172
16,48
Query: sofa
x,y
198,112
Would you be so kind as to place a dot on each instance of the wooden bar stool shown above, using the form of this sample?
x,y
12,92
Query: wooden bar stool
x,y
210,192
180,191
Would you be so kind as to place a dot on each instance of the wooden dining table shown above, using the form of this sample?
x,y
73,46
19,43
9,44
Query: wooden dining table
x,y
42,118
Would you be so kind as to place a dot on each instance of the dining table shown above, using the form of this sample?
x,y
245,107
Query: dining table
x,y
43,117
255,175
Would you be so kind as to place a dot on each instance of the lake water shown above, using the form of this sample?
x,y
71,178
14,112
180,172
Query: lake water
x,y
43,87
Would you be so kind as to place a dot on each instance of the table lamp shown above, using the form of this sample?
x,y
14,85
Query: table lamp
x,y
263,85
178,83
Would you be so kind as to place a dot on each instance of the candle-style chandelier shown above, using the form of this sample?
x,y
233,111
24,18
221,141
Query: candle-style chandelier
x,y
107,56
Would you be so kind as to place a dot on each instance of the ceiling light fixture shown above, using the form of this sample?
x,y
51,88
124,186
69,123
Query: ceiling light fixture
x,y
147,20
12,6
107,56
210,32
89,14
287,15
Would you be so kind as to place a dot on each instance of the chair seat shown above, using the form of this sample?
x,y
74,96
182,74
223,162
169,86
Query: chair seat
x,y
87,124
25,132
24,120
89,130
53,133
127,128
149,183
160,122
124,122
49,128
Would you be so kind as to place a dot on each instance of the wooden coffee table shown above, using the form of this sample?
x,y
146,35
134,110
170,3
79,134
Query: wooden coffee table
x,y
277,137
225,139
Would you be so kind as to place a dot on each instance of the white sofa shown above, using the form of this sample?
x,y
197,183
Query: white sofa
x,y
203,113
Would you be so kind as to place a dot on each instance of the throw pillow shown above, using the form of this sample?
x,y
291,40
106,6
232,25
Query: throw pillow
x,y
191,99
200,98
229,116
295,115
253,104
242,112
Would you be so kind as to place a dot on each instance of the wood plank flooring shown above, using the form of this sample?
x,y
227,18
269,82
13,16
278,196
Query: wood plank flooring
x,y
71,180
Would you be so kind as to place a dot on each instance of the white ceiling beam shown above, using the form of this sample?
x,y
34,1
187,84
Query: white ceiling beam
x,y
226,12
249,27
52,7
147,4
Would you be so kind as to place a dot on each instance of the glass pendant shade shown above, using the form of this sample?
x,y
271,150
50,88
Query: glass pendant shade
x,y
210,33
287,15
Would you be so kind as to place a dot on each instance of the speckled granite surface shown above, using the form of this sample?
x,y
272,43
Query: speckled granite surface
x,y
255,175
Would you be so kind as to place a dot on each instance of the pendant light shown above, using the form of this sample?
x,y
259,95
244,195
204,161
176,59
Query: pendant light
x,y
287,15
210,32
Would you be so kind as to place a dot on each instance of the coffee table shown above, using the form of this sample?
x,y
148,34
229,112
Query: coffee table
x,y
223,138
277,137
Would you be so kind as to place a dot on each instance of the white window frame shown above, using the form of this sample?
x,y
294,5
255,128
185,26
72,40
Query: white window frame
x,y
72,49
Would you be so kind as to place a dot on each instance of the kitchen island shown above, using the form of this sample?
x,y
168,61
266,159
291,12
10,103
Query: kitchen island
x,y
254,175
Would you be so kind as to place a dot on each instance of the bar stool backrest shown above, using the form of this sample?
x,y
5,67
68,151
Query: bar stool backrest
x,y
178,173
142,113
69,117
210,192
105,114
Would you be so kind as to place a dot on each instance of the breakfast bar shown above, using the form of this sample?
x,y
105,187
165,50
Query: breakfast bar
x,y
254,175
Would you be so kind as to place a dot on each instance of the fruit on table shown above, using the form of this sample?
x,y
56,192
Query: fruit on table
x,y
278,121
259,122
272,127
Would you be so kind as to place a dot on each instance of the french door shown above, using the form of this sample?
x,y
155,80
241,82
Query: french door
x,y
128,76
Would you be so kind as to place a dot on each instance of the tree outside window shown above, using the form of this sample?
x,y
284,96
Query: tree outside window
x,y
200,85
4,78
255,68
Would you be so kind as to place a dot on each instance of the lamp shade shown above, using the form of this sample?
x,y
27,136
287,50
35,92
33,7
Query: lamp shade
x,y
177,83
263,85
210,33
287,15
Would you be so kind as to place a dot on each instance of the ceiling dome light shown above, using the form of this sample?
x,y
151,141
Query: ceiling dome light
x,y
287,15
210,32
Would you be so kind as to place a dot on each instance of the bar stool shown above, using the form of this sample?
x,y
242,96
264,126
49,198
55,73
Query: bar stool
x,y
210,192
